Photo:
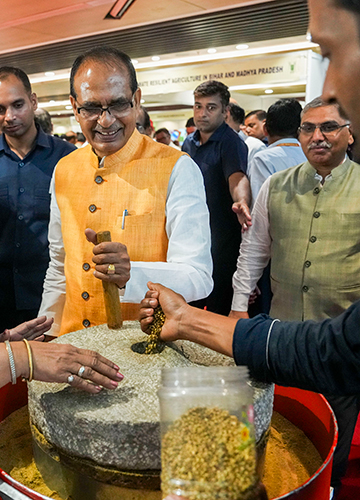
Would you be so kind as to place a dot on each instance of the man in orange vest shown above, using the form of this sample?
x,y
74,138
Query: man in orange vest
x,y
149,196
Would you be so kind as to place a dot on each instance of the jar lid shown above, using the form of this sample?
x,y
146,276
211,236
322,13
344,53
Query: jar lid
x,y
193,376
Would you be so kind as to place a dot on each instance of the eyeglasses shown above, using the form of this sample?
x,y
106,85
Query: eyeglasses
x,y
326,128
119,109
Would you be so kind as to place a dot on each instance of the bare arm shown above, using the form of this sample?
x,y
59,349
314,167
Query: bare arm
x,y
186,322
240,192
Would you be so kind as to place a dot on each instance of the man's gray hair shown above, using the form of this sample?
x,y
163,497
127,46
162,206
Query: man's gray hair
x,y
318,102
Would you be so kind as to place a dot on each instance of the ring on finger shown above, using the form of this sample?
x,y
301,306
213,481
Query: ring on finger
x,y
81,371
111,269
70,379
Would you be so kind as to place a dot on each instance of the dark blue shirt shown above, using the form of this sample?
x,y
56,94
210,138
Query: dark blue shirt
x,y
317,356
220,157
24,219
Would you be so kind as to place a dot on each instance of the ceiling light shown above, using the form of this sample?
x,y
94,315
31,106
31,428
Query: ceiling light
x,y
228,55
68,107
269,91
52,101
118,9
142,101
49,73
134,61
211,51
242,46
52,78
155,58
259,86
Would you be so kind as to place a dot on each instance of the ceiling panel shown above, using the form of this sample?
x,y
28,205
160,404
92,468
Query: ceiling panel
x,y
16,10
81,18
249,23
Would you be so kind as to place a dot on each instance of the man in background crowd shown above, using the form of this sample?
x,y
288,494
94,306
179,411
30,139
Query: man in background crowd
x,y
163,136
143,122
80,140
43,118
254,124
71,137
190,126
284,151
27,160
235,118
222,159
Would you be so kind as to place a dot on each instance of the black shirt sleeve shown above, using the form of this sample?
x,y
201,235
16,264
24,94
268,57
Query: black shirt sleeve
x,y
322,357
234,155
249,345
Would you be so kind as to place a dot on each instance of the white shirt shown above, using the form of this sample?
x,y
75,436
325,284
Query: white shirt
x,y
274,158
255,249
188,268
254,145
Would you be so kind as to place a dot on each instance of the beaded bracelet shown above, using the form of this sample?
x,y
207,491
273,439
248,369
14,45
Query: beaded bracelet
x,y
11,361
31,364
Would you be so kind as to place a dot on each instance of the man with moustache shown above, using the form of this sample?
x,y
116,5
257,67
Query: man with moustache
x,y
27,160
304,218
149,196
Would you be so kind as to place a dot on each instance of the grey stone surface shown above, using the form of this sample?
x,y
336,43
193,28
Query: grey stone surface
x,y
263,406
114,428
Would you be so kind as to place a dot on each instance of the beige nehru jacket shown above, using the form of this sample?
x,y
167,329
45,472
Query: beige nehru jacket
x,y
315,250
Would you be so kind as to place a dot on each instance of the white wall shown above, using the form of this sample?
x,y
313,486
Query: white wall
x,y
316,72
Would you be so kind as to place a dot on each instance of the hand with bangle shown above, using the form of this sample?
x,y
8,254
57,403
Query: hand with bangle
x,y
51,362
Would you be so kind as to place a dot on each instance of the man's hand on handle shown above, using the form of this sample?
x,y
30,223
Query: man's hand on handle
x,y
107,253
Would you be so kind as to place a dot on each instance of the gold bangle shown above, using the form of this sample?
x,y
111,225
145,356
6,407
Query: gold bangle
x,y
31,365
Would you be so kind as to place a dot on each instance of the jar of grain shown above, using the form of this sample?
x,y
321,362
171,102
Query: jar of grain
x,y
208,441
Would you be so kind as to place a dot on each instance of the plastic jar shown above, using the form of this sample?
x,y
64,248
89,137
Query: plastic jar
x,y
207,434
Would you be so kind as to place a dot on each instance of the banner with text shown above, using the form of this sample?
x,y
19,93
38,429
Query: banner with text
x,y
282,68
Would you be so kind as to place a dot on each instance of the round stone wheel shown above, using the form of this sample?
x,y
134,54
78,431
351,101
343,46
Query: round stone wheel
x,y
120,430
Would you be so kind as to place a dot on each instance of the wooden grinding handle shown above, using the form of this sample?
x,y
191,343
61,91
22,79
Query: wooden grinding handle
x,y
111,293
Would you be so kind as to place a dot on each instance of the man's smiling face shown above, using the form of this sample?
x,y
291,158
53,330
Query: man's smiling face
x,y
337,31
101,85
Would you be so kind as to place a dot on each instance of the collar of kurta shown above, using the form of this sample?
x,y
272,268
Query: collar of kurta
x,y
335,172
135,144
